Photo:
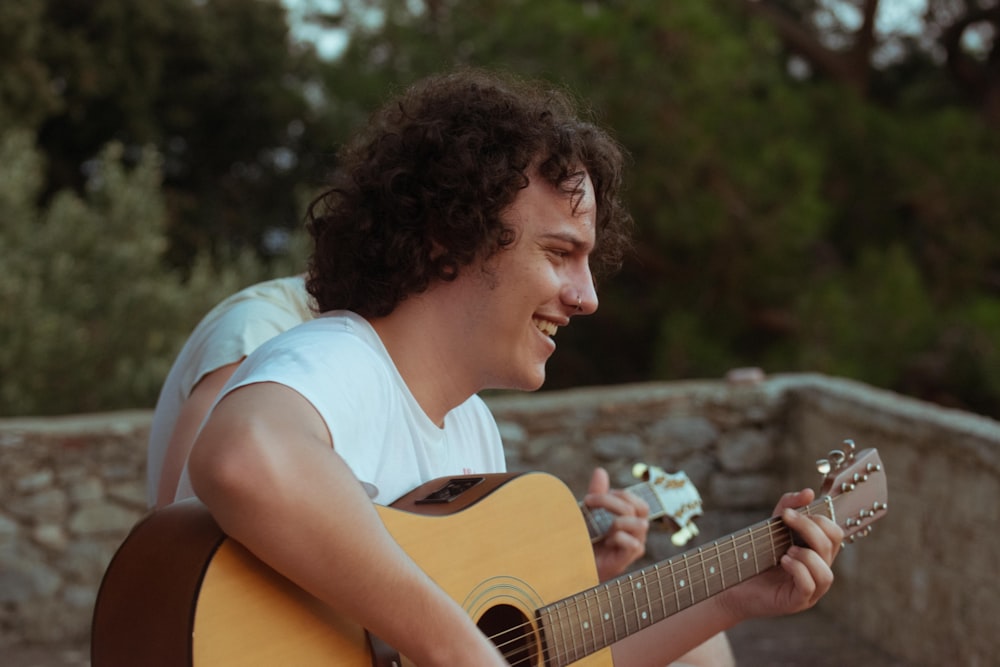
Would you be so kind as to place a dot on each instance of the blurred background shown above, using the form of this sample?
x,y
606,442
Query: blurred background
x,y
816,183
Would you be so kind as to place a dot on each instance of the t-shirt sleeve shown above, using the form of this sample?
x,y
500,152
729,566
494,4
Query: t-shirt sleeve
x,y
233,335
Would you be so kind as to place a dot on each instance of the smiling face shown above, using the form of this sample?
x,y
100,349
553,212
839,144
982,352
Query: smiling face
x,y
515,302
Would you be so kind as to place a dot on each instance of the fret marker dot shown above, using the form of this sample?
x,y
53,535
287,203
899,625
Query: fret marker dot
x,y
712,569
681,583
644,616
607,616
638,584
745,555
586,625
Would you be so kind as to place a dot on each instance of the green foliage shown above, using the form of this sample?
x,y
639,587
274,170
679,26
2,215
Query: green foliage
x,y
216,86
871,321
93,319
787,224
782,222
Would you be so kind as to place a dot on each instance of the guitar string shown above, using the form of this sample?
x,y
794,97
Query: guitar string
x,y
527,628
772,527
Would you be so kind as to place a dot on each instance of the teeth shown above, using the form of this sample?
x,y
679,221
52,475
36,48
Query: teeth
x,y
546,327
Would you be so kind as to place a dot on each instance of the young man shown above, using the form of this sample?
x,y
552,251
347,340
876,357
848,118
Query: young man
x,y
457,237
237,326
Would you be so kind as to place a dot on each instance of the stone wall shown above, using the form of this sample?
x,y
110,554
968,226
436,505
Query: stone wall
x,y
921,587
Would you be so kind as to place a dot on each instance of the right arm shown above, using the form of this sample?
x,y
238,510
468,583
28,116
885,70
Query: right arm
x,y
265,467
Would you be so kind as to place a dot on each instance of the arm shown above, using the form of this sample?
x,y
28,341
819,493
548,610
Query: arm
x,y
801,578
186,427
264,467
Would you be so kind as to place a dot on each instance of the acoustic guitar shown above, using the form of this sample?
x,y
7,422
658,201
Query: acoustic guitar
x,y
510,549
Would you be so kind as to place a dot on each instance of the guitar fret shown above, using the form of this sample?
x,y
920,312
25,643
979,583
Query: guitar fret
x,y
704,572
564,635
659,585
588,624
722,568
686,583
736,556
673,583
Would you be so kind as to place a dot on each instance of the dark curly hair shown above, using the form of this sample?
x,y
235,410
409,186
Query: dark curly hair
x,y
418,194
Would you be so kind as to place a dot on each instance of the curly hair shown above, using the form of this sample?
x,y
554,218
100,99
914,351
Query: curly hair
x,y
418,194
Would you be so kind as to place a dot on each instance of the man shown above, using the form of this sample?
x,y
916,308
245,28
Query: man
x,y
457,237
226,335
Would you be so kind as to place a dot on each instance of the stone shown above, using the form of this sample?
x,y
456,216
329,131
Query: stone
x,y
131,493
36,481
51,536
682,434
47,505
746,450
745,491
101,517
616,446
86,490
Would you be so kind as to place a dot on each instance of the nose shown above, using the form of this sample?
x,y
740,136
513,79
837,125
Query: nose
x,y
581,295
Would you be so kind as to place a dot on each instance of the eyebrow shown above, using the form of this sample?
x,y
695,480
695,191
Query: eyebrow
x,y
571,239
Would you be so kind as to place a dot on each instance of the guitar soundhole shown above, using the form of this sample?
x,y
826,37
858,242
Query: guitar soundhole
x,y
511,632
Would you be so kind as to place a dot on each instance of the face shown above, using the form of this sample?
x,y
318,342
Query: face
x,y
520,297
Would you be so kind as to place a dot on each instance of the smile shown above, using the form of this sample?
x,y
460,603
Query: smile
x,y
546,327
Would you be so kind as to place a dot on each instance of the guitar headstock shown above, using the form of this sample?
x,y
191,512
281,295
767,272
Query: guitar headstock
x,y
856,483
670,495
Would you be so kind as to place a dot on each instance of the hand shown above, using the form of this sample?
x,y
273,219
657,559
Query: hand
x,y
625,541
803,574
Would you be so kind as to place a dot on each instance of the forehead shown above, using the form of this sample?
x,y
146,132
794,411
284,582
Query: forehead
x,y
544,209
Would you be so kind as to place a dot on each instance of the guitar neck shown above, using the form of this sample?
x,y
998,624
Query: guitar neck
x,y
586,622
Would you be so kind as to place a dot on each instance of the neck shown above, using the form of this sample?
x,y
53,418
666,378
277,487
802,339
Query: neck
x,y
419,341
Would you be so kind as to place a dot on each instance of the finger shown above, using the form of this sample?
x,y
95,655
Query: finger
x,y
804,585
794,499
600,482
621,503
811,574
635,527
627,542
817,532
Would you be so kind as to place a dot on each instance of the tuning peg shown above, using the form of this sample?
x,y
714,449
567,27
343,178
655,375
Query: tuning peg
x,y
640,470
684,535
823,466
851,448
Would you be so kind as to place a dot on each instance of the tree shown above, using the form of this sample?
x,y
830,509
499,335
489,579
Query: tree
x,y
93,316
218,87
845,41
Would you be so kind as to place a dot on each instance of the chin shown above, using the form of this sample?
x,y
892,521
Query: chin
x,y
533,382
524,382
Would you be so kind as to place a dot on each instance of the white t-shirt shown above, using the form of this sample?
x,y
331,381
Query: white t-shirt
x,y
338,363
233,329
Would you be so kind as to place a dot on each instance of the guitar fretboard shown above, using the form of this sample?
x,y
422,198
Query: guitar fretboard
x,y
586,622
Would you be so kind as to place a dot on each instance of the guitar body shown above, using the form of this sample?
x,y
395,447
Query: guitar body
x,y
180,593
